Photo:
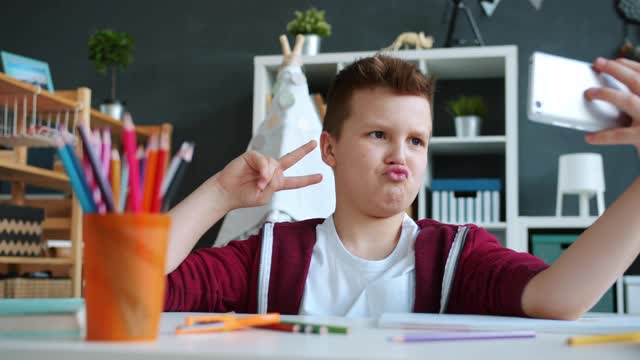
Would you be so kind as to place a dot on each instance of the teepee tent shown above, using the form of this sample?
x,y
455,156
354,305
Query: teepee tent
x,y
291,121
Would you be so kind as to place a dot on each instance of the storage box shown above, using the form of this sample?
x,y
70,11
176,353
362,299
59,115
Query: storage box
x,y
36,288
21,231
632,294
549,247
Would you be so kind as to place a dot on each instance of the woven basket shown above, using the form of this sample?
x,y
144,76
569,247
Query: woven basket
x,y
36,288
21,231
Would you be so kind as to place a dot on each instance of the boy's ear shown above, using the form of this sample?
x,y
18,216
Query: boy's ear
x,y
327,145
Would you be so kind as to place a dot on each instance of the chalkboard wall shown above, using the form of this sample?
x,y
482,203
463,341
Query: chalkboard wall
x,y
194,65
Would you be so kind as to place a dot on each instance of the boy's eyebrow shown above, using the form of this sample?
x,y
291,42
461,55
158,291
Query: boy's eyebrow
x,y
384,126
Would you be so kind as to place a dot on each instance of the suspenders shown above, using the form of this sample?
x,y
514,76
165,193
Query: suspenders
x,y
450,266
266,250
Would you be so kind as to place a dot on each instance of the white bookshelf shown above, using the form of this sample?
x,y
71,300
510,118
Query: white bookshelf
x,y
486,62
477,145
528,224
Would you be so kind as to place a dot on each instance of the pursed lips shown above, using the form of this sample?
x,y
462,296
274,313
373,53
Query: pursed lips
x,y
397,172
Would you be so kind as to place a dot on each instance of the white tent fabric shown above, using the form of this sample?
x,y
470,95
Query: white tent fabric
x,y
292,121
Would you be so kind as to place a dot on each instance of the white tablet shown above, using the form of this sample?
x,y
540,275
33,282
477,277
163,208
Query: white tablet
x,y
556,94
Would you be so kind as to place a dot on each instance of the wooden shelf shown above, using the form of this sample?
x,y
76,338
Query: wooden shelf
x,y
493,226
451,145
101,120
557,222
21,260
10,87
12,171
53,223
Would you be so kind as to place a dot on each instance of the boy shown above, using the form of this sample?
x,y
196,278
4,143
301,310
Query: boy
x,y
369,257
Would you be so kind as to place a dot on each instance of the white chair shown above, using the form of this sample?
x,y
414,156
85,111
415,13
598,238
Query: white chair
x,y
581,174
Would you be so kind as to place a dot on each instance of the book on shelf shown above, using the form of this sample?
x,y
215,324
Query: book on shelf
x,y
42,317
466,200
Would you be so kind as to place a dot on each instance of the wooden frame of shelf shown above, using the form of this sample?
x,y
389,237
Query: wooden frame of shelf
x,y
22,260
46,101
15,169
16,172
99,119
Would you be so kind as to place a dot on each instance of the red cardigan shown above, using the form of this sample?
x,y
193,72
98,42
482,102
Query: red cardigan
x,y
489,279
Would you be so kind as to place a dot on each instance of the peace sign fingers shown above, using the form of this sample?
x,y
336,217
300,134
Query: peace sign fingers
x,y
296,155
296,182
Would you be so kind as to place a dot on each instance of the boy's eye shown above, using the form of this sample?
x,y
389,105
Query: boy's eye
x,y
416,141
377,134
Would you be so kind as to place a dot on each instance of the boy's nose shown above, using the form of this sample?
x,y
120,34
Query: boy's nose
x,y
396,154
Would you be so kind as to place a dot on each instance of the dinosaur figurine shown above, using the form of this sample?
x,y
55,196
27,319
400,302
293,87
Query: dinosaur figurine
x,y
407,39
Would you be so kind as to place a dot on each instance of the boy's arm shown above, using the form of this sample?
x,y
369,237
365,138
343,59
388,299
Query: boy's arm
x,y
191,218
575,282
584,272
248,180
490,278
213,279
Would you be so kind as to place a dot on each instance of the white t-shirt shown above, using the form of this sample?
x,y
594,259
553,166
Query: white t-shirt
x,y
342,284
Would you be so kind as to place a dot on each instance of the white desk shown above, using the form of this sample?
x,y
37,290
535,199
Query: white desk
x,y
364,342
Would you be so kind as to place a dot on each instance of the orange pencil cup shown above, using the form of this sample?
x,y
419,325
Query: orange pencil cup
x,y
124,260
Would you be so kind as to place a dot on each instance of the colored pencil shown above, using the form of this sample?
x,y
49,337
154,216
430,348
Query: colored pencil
x,y
173,167
141,155
97,147
114,174
604,338
129,143
172,191
96,144
318,328
227,322
282,327
86,202
151,165
106,152
93,185
103,184
462,335
68,141
163,150
123,184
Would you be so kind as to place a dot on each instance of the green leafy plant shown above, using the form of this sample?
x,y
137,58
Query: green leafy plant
x,y
110,50
467,105
311,21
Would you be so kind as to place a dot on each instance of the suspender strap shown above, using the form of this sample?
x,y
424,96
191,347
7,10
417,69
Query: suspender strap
x,y
450,266
265,268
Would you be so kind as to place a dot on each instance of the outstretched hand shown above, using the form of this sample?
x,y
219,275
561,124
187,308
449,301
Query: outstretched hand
x,y
628,72
252,178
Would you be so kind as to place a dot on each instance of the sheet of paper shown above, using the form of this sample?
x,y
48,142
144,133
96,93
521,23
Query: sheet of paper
x,y
589,324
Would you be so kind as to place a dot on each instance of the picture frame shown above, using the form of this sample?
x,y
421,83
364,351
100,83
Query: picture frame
x,y
31,71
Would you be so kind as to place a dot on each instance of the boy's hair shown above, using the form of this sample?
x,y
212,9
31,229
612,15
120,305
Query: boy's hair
x,y
383,71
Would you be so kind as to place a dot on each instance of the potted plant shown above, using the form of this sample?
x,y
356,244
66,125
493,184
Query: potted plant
x,y
468,112
110,50
312,24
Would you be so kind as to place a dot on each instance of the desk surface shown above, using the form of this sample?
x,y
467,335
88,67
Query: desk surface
x,y
364,341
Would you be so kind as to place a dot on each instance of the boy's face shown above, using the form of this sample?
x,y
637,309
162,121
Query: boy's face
x,y
381,156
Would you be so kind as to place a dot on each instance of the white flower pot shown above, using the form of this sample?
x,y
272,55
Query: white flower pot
x,y
311,44
468,126
113,108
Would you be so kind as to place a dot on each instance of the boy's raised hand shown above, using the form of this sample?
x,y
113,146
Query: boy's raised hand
x,y
628,72
252,178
